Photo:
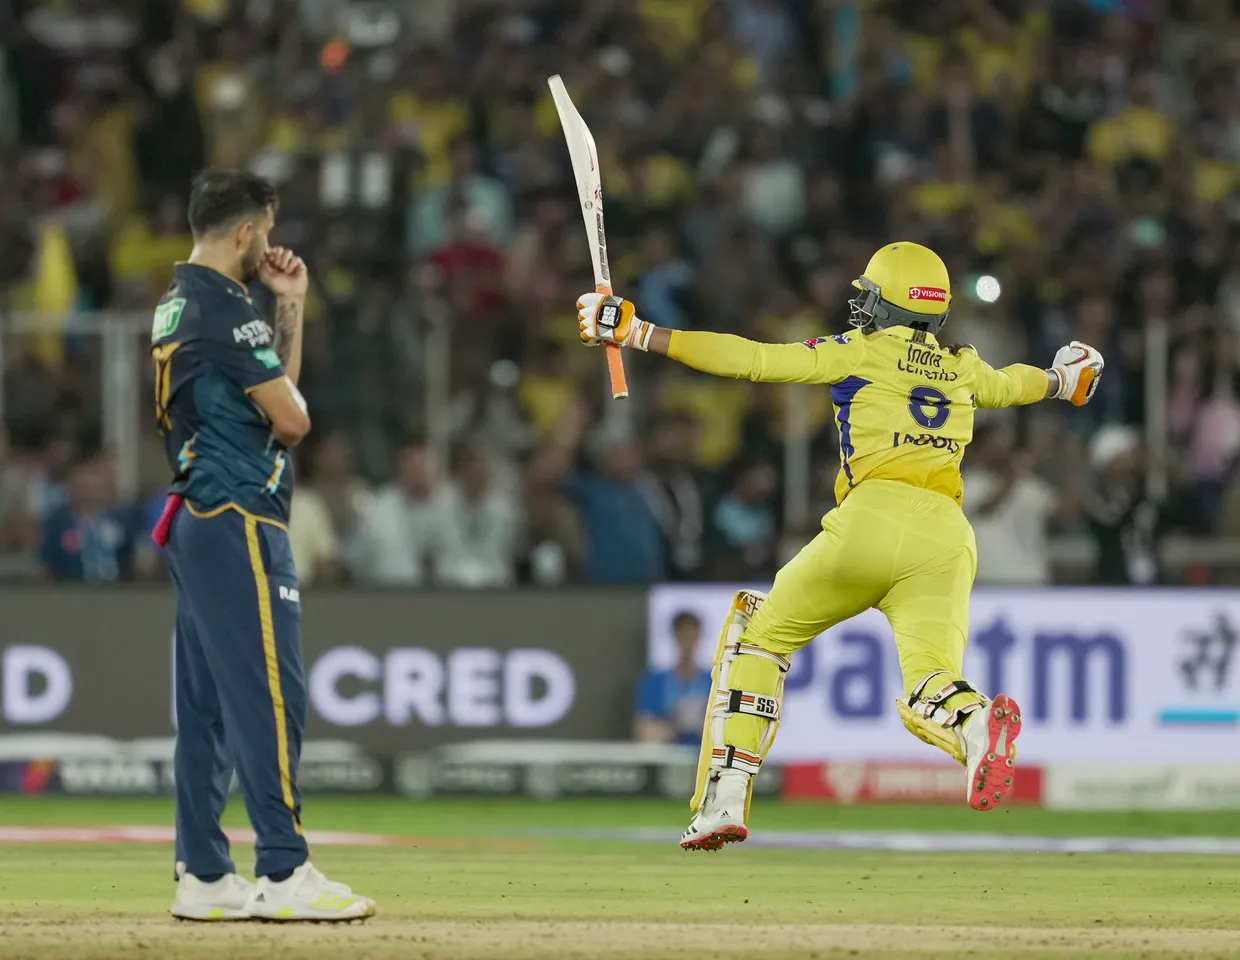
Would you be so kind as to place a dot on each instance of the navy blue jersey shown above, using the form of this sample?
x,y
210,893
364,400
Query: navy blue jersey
x,y
212,347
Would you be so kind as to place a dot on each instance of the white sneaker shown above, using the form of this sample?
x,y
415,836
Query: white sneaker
x,y
307,895
722,817
990,752
226,899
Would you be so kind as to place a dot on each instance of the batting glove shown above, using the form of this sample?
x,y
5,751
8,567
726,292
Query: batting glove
x,y
1079,368
609,319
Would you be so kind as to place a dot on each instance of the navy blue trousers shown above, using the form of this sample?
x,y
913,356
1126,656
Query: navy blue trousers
x,y
240,687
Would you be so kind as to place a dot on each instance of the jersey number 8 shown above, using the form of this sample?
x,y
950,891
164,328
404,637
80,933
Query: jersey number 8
x,y
929,407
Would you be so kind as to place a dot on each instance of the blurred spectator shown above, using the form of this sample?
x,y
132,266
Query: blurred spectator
x,y
48,472
431,108
98,127
148,558
1010,509
328,504
311,537
1139,132
89,538
556,541
1212,428
744,523
145,248
1070,101
754,153
667,280
1127,522
399,523
477,528
674,494
529,265
472,269
230,97
671,703
625,543
19,526
774,185
430,224
765,28
170,140
718,213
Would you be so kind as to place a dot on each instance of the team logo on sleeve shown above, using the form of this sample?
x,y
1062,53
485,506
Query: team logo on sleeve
x,y
837,338
167,318
927,293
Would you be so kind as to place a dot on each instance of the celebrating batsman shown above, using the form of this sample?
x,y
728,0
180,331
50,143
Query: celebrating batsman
x,y
898,540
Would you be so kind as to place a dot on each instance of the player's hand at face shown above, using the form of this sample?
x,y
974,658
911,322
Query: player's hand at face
x,y
284,273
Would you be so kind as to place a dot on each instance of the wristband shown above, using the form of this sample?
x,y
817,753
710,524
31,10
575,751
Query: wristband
x,y
640,334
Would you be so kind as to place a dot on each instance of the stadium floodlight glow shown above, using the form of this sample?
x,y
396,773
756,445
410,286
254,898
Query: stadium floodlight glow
x,y
988,289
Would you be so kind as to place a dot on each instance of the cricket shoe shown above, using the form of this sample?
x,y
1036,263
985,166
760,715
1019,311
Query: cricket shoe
x,y
722,816
990,752
227,898
307,895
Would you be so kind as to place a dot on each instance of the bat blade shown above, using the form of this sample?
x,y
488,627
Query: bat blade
x,y
583,153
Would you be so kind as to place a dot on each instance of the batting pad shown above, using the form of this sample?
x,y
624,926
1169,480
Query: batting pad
x,y
742,714
937,717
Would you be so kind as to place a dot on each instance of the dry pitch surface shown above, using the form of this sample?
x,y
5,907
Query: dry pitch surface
x,y
457,894
388,938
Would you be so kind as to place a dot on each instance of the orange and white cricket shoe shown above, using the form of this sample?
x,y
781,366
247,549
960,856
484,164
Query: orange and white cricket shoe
x,y
722,817
989,738
710,833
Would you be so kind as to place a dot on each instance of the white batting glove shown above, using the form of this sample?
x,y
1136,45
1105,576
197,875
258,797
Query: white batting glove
x,y
1079,368
611,320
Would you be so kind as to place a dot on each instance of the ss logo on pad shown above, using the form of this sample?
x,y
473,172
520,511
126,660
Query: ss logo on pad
x,y
609,315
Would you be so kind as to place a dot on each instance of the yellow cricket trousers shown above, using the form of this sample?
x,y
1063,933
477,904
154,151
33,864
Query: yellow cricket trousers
x,y
907,551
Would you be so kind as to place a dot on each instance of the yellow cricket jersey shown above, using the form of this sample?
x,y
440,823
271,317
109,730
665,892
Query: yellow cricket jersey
x,y
904,409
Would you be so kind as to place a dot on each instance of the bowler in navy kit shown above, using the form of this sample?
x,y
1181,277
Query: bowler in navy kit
x,y
227,404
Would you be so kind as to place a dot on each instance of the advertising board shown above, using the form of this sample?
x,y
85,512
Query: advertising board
x,y
391,672
1102,676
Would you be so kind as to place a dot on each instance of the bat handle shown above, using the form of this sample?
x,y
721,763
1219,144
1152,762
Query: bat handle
x,y
615,360
615,367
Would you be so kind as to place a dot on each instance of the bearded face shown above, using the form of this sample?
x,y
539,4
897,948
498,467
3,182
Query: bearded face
x,y
252,256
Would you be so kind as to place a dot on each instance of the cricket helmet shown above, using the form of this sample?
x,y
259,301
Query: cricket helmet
x,y
904,285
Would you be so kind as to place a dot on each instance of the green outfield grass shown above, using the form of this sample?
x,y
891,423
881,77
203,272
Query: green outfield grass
x,y
483,880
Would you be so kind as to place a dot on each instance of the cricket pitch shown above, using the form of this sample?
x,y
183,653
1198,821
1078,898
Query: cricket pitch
x,y
487,880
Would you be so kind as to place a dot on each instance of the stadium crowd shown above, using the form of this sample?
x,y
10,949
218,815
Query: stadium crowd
x,y
753,152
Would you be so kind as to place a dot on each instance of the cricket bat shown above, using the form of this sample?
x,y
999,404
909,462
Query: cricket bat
x,y
584,154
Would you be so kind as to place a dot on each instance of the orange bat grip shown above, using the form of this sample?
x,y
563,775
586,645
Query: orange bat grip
x,y
615,360
615,366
